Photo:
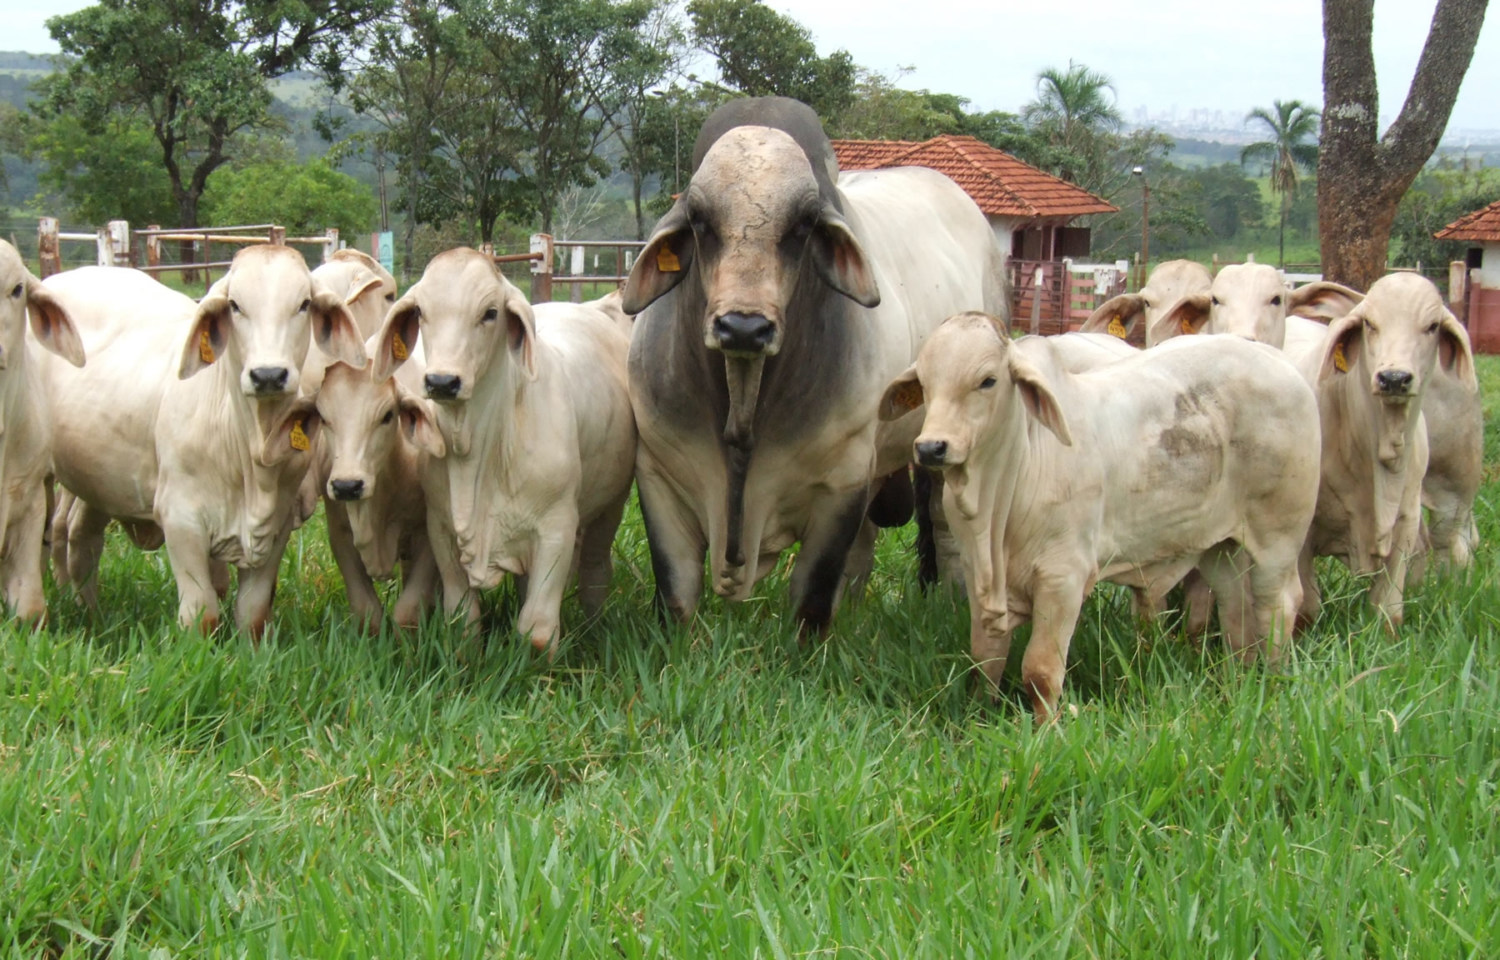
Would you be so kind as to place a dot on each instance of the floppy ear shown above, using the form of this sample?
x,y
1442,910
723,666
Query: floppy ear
x,y
397,335
1186,316
903,395
521,331
840,260
334,330
1455,354
1322,300
1117,316
1342,345
295,432
51,324
664,261
418,425
208,337
1040,402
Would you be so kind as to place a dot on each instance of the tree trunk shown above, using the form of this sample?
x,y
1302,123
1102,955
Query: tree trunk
x,y
1362,178
187,217
1281,235
640,220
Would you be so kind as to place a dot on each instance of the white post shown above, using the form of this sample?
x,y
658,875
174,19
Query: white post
x,y
330,243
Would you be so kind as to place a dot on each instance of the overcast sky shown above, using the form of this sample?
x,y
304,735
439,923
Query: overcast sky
x,y
1230,55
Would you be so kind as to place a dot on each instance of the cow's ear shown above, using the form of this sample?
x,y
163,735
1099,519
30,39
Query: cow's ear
x,y
521,331
903,395
208,337
840,260
333,327
1455,354
1342,345
1322,300
295,432
1186,316
51,324
362,283
418,424
664,261
1117,316
1040,401
397,335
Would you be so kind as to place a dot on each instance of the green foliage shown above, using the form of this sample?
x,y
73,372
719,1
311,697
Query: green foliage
x,y
112,172
762,53
1436,199
724,790
303,197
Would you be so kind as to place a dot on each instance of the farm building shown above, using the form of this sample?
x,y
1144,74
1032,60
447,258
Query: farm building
x,y
1030,210
1481,229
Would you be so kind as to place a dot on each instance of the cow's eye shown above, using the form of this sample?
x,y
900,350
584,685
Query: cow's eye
x,y
390,298
1214,301
234,307
1145,303
1276,300
1433,328
17,291
986,383
389,416
490,316
305,305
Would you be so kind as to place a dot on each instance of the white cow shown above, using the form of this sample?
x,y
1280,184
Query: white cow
x,y
1169,282
24,443
1055,480
537,439
186,425
1250,300
368,290
372,458
1372,369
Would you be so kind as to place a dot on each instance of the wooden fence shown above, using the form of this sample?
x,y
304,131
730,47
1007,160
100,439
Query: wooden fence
x,y
587,262
118,246
1056,296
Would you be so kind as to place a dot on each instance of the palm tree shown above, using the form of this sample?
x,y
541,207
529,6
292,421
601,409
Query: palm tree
x,y
1291,124
1071,108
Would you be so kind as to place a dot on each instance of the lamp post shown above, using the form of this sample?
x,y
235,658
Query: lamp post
x,y
1145,222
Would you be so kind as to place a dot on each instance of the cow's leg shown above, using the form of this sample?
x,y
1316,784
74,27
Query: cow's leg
x,y
364,603
62,507
1312,599
1198,598
419,584
825,549
861,560
257,588
85,545
21,563
1277,590
925,501
989,644
1055,602
187,550
547,579
1390,575
595,566
218,572
677,550
946,561
1226,569
458,596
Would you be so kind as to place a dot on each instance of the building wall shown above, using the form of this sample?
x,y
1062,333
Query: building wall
x,y
1005,228
1489,267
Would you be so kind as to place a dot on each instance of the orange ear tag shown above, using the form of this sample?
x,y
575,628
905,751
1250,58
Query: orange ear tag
x,y
398,346
1116,328
300,440
205,347
1187,329
666,260
1338,357
908,396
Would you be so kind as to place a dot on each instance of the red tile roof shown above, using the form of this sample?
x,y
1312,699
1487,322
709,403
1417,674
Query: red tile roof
x,y
998,182
1482,225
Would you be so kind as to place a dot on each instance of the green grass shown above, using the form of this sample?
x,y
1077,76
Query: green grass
x,y
721,791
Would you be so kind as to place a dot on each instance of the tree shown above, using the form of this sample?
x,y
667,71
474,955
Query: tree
x,y
303,197
1362,176
1290,123
761,53
1436,199
194,72
643,116
113,173
1073,114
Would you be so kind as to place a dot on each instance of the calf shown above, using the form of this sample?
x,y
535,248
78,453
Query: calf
x,y
538,441
1168,283
1371,370
24,442
1054,480
187,425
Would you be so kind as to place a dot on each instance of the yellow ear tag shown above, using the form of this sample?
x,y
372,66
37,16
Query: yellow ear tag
x,y
908,396
1187,329
1116,328
300,440
1338,357
398,346
205,347
666,260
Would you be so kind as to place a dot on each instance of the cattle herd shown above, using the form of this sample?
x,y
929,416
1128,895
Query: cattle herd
x,y
788,342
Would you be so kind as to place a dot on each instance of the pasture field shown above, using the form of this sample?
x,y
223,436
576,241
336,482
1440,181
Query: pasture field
x,y
720,791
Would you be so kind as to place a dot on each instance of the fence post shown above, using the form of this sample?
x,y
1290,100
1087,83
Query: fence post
x,y
331,244
1036,301
117,232
541,268
153,248
48,252
1458,290
577,267
277,236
